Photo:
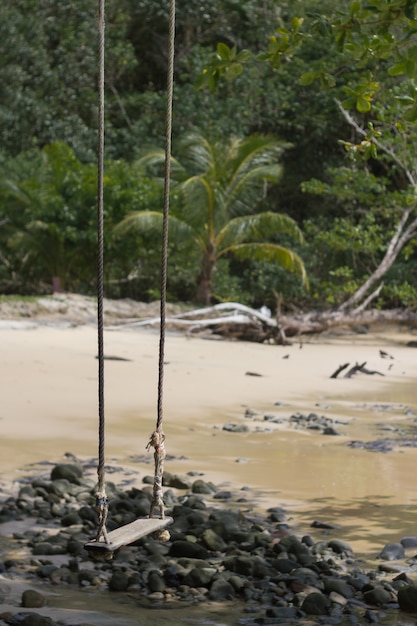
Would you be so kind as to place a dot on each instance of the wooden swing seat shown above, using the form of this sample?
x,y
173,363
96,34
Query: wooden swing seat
x,y
129,533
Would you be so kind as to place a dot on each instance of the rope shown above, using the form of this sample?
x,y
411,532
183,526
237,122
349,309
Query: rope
x,y
101,500
157,438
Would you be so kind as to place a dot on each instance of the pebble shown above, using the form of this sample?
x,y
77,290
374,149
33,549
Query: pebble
x,y
214,552
32,599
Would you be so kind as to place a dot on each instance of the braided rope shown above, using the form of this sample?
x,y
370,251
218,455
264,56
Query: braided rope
x,y
157,438
101,500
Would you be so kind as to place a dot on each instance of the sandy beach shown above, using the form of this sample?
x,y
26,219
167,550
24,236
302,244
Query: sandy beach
x,y
49,408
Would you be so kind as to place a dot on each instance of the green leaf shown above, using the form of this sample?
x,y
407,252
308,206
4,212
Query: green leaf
x,y
223,51
411,114
363,105
308,78
355,7
244,55
398,69
233,71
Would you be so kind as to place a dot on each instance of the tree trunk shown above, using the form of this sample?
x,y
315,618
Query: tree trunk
x,y
403,233
204,279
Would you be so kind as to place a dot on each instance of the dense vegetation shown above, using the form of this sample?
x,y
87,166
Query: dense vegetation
x,y
294,173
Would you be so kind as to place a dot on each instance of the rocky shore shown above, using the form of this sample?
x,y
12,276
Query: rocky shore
x,y
220,550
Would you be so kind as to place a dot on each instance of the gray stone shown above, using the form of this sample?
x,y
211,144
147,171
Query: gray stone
x,y
156,582
175,482
236,428
339,546
70,471
32,599
201,486
226,523
188,549
392,552
377,596
221,590
315,604
407,599
213,541
71,519
199,577
222,495
119,581
339,586
34,619
284,565
47,548
409,542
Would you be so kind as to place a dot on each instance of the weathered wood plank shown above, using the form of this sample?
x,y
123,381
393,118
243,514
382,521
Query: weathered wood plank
x,y
128,534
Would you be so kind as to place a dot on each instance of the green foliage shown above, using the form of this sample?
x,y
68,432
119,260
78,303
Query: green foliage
x,y
279,70
219,185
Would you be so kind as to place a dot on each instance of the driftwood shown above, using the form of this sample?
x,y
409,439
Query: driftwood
x,y
232,320
358,367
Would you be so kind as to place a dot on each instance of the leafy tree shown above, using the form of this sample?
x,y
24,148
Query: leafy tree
x,y
49,226
219,186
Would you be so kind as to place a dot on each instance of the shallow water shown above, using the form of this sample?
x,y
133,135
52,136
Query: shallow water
x,y
370,496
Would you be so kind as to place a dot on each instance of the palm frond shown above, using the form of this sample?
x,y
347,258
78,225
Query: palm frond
x,y
151,222
259,226
154,162
198,154
270,253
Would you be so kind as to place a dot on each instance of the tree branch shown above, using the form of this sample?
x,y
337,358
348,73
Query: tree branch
x,y
352,122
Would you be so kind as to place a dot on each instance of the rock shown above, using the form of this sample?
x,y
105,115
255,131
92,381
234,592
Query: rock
x,y
339,586
29,619
285,566
316,604
409,542
119,581
213,541
47,548
187,549
226,523
236,428
283,613
407,599
222,495
392,552
32,599
340,547
221,590
330,430
201,486
199,577
69,471
155,582
71,519
377,596
175,482
324,525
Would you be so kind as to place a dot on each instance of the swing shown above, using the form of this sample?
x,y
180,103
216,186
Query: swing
x,y
106,543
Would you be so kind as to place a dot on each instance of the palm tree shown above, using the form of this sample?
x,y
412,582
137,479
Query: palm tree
x,y
219,185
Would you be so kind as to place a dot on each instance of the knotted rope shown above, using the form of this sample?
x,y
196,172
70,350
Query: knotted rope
x,y
157,438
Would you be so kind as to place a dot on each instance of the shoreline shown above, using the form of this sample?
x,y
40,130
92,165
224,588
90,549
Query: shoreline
x,y
50,408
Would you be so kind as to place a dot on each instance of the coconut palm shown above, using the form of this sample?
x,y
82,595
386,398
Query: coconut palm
x,y
219,185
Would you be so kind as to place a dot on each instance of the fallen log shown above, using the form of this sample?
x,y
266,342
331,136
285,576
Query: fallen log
x,y
232,320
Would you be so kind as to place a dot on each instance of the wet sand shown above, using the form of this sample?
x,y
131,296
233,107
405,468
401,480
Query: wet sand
x,y
49,407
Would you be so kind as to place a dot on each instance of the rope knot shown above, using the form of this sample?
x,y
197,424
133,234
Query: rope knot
x,y
102,511
156,441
